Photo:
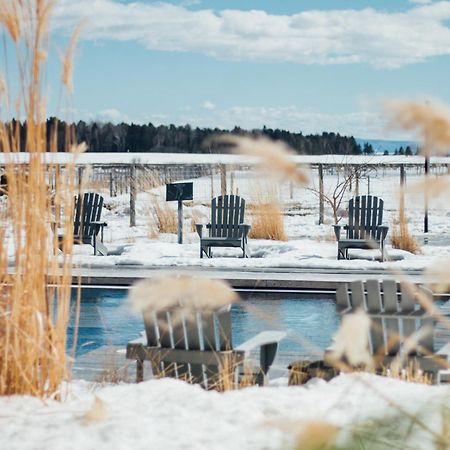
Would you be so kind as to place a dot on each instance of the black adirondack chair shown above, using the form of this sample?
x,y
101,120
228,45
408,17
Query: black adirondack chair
x,y
364,229
397,319
227,228
87,223
196,345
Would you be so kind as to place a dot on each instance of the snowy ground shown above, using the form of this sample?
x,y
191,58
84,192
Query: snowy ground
x,y
308,245
169,414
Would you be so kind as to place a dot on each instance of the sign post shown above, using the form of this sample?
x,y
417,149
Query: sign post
x,y
179,192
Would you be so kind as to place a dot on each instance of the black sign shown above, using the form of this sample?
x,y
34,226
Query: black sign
x,y
179,191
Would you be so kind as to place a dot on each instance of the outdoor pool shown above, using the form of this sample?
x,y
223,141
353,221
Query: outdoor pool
x,y
106,320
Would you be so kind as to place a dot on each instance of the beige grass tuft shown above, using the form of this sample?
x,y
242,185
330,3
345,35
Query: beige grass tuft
x,y
402,239
163,218
267,216
34,302
187,293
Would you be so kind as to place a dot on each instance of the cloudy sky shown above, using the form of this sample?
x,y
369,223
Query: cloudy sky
x,y
303,65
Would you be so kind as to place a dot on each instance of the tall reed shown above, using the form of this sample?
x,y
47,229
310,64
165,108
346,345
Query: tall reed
x,y
267,216
35,293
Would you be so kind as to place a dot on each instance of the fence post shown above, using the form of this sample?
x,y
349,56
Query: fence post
x,y
321,208
425,219
133,195
223,179
80,178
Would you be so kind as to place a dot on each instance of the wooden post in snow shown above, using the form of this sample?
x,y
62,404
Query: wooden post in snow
x,y
80,179
321,206
425,219
212,182
223,179
133,195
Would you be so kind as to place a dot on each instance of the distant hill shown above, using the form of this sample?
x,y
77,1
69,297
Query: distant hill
x,y
380,145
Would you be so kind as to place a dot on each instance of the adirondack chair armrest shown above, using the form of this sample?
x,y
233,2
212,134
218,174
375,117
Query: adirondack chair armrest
x,y
347,310
245,230
383,231
141,340
99,224
261,339
337,231
267,341
199,229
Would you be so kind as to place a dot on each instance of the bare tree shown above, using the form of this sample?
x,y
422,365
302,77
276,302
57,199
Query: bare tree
x,y
348,175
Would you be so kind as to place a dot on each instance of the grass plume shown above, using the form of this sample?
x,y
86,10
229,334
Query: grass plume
x,y
35,294
431,121
276,156
267,216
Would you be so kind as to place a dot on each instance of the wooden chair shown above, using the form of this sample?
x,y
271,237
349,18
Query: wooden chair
x,y
227,228
364,229
87,223
197,346
396,317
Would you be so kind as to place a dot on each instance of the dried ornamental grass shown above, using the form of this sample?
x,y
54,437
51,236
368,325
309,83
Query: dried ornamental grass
x,y
401,237
34,302
163,218
267,216
350,347
186,293
431,121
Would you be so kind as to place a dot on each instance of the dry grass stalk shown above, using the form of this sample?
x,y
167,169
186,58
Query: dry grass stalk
x,y
97,412
431,121
275,155
412,373
401,238
163,218
267,216
350,348
316,435
33,316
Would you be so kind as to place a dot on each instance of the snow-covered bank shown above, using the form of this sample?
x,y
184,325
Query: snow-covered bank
x,y
169,414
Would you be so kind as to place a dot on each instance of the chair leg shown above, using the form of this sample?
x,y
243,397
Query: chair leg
x,y
139,371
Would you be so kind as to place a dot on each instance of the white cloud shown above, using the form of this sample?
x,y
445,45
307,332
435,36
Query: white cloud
x,y
367,124
208,105
379,38
111,115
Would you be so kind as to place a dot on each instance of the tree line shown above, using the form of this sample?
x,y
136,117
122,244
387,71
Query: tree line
x,y
124,137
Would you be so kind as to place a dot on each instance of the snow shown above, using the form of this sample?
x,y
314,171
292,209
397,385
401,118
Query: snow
x,y
309,245
170,414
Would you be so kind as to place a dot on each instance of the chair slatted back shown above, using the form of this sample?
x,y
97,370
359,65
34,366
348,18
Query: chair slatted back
x,y
385,298
227,213
365,215
177,328
88,209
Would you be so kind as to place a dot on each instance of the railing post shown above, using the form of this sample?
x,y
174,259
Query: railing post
x,y
223,179
133,195
321,206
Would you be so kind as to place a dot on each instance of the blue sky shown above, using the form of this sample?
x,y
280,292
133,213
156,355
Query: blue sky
x,y
305,65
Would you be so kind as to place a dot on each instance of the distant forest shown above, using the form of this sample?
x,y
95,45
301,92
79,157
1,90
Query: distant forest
x,y
123,137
